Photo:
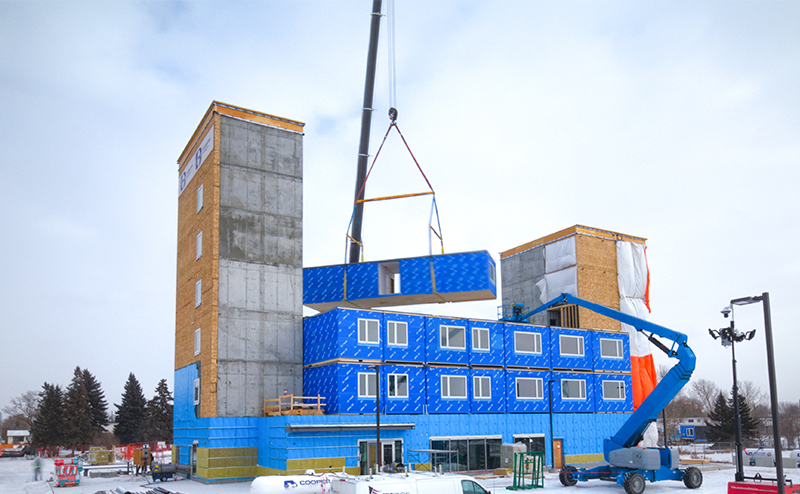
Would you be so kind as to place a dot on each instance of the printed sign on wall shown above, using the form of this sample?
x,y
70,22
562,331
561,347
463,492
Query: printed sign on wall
x,y
203,152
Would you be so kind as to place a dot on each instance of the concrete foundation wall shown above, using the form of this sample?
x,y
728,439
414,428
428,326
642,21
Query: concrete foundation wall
x,y
260,328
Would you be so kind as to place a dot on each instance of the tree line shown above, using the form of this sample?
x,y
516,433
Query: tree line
x,y
704,399
79,415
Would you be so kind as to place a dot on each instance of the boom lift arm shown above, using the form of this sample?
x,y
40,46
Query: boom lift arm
x,y
620,451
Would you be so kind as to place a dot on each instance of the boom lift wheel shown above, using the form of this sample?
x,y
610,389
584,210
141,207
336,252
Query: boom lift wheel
x,y
692,478
565,476
634,483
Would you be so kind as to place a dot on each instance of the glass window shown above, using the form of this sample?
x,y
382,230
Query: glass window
x,y
200,198
454,386
197,341
573,389
530,388
610,348
480,339
482,387
469,486
198,292
398,385
527,342
197,391
571,345
397,333
368,331
613,390
453,337
367,387
199,245
690,432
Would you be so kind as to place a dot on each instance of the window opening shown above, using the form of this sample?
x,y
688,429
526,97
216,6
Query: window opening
x,y
610,348
389,278
197,391
199,245
200,198
367,385
613,390
398,385
397,333
527,342
368,331
482,387
530,388
480,339
454,387
197,341
198,292
573,389
571,345
453,337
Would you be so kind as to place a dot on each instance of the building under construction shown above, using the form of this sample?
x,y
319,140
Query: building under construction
x,y
260,390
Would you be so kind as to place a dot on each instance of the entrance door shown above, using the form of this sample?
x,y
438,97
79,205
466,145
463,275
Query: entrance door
x,y
391,453
558,453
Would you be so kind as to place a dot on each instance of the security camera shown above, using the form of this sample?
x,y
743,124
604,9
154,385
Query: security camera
x,y
726,311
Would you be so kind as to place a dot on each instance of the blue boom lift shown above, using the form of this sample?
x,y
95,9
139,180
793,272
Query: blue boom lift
x,y
629,465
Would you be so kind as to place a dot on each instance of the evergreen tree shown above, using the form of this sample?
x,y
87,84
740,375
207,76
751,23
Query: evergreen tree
x,y
720,424
158,415
48,424
79,429
131,413
97,401
746,419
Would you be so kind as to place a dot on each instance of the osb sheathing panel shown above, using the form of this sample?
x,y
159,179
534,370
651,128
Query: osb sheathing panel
x,y
189,269
597,279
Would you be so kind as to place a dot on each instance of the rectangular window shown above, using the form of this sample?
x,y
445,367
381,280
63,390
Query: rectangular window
x,y
369,331
480,339
690,432
527,342
571,345
367,385
198,246
198,292
197,341
530,388
482,387
398,385
613,390
200,198
197,391
397,333
453,337
573,389
610,348
454,386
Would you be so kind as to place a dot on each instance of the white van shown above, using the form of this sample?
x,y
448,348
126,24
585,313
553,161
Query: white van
x,y
411,483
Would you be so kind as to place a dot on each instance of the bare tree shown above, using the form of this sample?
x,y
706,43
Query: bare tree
x,y
24,405
789,414
705,392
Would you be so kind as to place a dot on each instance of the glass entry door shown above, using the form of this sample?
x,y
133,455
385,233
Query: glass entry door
x,y
391,453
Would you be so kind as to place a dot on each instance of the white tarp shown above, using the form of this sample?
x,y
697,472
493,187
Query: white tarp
x,y
559,255
554,284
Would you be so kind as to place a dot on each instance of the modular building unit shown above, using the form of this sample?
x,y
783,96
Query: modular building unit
x,y
446,340
486,343
573,392
487,390
527,345
610,351
430,279
571,349
612,393
528,391
447,389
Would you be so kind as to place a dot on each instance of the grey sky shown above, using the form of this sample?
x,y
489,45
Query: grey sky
x,y
675,121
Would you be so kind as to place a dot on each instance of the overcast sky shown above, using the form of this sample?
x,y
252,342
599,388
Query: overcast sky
x,y
674,121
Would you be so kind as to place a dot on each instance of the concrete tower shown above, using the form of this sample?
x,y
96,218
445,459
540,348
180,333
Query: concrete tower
x,y
239,276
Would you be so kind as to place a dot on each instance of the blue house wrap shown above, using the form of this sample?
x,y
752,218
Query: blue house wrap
x,y
408,349
421,280
486,343
571,349
447,389
481,401
527,346
527,391
612,393
446,340
610,351
573,392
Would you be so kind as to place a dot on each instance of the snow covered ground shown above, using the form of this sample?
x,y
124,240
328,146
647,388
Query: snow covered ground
x,y
16,477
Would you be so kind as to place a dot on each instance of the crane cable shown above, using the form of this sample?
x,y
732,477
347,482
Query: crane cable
x,y
391,65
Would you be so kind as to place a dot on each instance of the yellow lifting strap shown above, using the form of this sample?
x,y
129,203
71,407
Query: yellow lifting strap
x,y
401,196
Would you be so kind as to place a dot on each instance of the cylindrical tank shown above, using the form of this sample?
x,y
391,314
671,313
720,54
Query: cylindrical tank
x,y
291,484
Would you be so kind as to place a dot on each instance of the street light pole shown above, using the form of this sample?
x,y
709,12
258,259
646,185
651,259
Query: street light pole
x,y
773,386
737,419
